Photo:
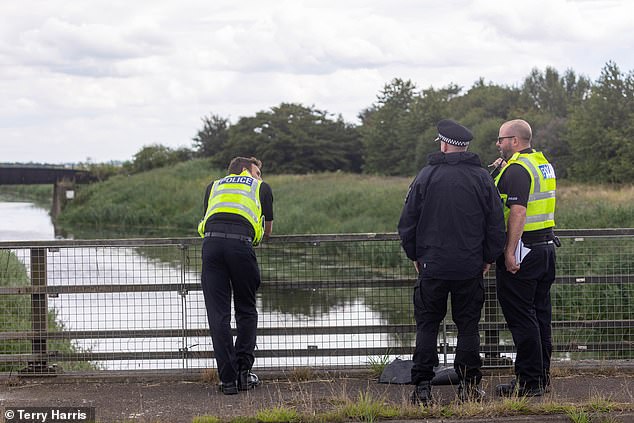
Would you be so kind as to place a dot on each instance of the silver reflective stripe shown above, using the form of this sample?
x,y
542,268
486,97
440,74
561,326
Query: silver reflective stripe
x,y
235,206
541,195
533,170
251,194
540,218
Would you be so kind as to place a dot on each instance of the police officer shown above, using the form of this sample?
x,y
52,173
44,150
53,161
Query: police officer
x,y
238,215
527,186
452,227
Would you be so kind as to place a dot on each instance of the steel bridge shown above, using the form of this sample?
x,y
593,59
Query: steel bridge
x,y
63,180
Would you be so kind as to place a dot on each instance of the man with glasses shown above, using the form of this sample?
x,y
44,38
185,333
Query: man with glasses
x,y
452,228
526,270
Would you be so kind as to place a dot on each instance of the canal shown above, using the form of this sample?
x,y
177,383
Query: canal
x,y
291,308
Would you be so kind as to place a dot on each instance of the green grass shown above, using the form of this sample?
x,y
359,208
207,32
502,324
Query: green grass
x,y
206,419
15,316
169,202
594,206
41,195
368,408
377,364
14,309
277,414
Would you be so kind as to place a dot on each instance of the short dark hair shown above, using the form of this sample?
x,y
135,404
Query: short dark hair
x,y
239,163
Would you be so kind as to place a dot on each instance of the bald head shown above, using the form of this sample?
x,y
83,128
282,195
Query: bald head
x,y
520,128
515,135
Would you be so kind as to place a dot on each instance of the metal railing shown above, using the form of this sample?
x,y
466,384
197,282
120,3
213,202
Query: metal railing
x,y
326,301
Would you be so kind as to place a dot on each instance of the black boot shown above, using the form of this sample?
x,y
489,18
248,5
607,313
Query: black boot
x,y
229,388
247,380
513,389
421,394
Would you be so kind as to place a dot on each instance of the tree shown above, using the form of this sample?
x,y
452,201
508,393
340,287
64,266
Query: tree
x,y
156,155
482,109
384,131
393,127
292,138
212,138
549,93
601,129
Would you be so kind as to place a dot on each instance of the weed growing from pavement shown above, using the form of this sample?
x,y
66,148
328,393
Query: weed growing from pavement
x,y
343,406
278,415
601,403
299,374
550,407
368,409
206,419
578,416
516,405
377,365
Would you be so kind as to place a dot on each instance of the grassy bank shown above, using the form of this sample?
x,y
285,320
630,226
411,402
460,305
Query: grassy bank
x,y
42,195
169,201
15,315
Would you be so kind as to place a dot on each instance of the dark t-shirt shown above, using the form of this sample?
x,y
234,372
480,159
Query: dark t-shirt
x,y
234,223
516,184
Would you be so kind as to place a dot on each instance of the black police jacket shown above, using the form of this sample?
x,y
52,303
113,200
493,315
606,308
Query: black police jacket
x,y
452,221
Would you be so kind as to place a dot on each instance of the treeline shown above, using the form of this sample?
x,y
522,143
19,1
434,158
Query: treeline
x,y
584,127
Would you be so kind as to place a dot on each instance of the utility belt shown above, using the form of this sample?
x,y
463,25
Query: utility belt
x,y
555,241
244,238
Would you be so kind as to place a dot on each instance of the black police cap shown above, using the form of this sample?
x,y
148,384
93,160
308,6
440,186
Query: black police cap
x,y
453,133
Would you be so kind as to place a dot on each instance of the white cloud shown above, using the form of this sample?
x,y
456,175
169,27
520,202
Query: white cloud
x,y
101,79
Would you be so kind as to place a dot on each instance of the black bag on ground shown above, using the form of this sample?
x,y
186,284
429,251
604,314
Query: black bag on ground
x,y
400,372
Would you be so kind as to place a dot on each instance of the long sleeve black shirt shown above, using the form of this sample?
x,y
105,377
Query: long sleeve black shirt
x,y
452,221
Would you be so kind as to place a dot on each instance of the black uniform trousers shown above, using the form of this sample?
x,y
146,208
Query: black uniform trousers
x,y
231,264
525,301
430,308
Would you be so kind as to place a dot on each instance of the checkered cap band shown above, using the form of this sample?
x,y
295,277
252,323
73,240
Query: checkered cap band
x,y
452,141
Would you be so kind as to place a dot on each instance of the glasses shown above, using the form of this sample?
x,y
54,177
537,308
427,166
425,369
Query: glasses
x,y
500,139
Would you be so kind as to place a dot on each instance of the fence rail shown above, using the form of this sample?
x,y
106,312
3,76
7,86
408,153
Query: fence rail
x,y
328,301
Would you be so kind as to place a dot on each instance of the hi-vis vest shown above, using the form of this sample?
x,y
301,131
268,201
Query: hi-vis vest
x,y
238,194
540,210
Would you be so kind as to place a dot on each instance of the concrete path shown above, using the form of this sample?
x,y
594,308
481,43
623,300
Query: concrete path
x,y
173,400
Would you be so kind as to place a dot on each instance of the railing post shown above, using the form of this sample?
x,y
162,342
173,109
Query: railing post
x,y
39,313
183,293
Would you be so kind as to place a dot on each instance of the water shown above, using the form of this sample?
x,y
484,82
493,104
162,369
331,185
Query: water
x,y
24,222
165,310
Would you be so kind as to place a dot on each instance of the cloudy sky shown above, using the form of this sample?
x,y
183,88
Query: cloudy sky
x,y
96,80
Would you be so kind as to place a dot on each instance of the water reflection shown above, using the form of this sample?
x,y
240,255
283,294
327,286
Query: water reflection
x,y
278,307
24,222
